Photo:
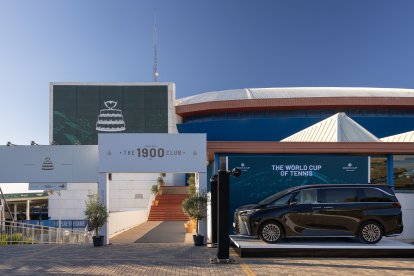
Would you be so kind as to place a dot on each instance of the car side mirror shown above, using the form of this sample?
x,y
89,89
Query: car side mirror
x,y
293,203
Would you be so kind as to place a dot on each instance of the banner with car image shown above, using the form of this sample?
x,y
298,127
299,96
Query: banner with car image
x,y
264,175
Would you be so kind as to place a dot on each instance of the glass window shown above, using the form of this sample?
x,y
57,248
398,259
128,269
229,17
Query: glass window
x,y
378,171
284,200
338,195
306,196
404,172
374,195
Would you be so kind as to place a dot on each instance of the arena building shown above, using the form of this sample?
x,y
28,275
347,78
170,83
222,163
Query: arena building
x,y
283,137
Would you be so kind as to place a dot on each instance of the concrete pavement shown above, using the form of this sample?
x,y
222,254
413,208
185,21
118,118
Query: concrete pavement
x,y
176,259
124,257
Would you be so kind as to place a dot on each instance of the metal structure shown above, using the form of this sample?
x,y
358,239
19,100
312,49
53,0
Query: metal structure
x,y
23,233
155,46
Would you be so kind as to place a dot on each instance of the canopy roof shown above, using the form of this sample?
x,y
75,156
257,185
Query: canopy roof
x,y
403,137
337,128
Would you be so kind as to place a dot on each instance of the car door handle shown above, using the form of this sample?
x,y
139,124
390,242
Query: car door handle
x,y
328,207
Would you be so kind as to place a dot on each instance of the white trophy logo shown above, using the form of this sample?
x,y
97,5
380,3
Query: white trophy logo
x,y
110,119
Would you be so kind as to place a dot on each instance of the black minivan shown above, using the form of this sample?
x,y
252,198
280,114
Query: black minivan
x,y
349,210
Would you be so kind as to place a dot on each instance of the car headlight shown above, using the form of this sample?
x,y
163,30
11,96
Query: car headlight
x,y
249,212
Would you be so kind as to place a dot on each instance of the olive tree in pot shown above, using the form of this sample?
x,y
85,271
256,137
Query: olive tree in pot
x,y
195,207
96,216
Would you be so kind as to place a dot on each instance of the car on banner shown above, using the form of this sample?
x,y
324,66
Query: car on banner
x,y
367,212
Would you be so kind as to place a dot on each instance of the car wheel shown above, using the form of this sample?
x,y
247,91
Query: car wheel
x,y
271,232
370,232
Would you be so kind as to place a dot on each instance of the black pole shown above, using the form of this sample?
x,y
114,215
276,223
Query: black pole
x,y
213,204
223,240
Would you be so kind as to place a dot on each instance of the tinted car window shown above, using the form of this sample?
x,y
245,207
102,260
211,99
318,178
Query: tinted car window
x,y
374,195
284,200
338,195
307,196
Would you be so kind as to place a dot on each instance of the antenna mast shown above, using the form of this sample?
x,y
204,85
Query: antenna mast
x,y
154,45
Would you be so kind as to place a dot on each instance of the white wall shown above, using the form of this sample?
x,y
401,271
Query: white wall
x,y
126,192
129,191
407,206
70,204
121,221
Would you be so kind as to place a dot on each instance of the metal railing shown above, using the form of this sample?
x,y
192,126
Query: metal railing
x,y
23,233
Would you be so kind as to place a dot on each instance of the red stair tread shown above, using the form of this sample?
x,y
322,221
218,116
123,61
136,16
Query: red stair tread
x,y
168,209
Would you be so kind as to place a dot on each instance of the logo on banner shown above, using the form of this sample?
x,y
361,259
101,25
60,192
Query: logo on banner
x,y
243,167
110,119
350,168
47,164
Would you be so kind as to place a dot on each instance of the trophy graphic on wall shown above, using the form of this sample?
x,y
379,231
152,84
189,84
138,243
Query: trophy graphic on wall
x,y
47,164
110,119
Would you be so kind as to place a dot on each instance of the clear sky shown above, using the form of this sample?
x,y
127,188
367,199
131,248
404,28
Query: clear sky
x,y
203,46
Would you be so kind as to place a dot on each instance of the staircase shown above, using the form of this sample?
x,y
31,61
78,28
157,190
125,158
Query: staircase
x,y
169,206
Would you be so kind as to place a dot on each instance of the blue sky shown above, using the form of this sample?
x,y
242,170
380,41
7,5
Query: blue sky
x,y
203,46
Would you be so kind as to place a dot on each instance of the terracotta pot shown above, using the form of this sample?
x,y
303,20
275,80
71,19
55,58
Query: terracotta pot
x,y
189,227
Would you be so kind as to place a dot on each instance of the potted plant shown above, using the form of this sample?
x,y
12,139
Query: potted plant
x,y
155,190
195,207
97,216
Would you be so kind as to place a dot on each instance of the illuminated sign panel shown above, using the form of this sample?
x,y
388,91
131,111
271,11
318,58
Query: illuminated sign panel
x,y
80,112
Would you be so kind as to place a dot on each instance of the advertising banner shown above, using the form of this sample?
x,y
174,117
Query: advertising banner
x,y
81,111
264,175
48,164
152,153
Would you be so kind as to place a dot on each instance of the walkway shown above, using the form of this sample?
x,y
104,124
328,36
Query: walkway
x,y
154,232
177,259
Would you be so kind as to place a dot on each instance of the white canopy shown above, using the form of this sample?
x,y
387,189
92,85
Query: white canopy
x,y
337,128
403,137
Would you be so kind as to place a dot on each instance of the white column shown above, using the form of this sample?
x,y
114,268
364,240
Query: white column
x,y
201,184
103,190
28,209
15,211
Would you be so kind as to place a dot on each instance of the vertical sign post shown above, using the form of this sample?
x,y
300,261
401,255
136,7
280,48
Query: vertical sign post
x,y
223,240
223,198
213,204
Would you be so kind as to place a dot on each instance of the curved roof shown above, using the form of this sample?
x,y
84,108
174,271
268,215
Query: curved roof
x,y
294,92
290,98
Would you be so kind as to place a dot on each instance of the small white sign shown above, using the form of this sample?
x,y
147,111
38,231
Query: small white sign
x,y
151,153
49,164
48,186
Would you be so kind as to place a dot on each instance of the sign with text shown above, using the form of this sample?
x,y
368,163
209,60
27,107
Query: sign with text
x,y
48,164
48,186
266,174
155,152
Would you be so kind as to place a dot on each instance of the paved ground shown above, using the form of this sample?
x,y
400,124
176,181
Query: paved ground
x,y
166,232
176,259
124,257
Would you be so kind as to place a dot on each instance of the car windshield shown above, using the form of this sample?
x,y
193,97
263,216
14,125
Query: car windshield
x,y
272,198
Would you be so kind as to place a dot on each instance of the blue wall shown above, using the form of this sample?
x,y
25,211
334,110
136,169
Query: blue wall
x,y
276,129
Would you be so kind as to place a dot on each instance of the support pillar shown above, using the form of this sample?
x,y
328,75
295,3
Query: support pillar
x,y
15,211
28,209
103,190
390,171
201,179
213,207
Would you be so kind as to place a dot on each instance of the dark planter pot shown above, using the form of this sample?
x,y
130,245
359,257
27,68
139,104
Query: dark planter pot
x,y
198,240
98,241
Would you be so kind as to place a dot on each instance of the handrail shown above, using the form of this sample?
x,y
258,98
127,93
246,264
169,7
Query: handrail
x,y
24,233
